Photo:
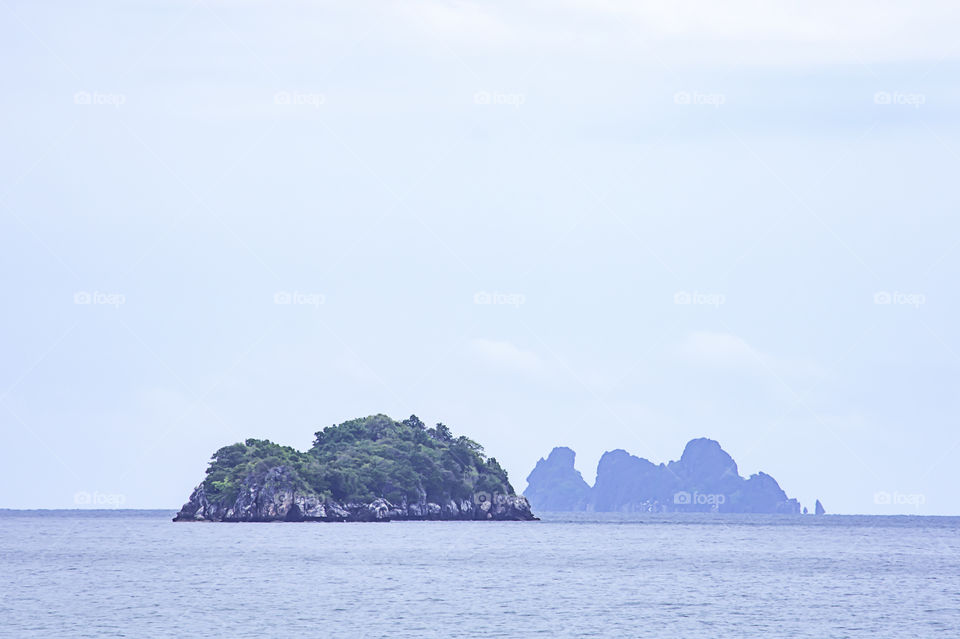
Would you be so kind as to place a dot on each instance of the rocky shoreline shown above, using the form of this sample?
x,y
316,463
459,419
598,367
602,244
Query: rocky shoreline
x,y
274,499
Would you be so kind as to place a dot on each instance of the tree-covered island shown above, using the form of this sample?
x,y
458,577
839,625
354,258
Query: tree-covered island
x,y
368,469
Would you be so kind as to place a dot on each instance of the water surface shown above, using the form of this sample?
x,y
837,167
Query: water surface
x,y
137,574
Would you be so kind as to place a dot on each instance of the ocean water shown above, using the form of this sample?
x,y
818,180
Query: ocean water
x,y
137,574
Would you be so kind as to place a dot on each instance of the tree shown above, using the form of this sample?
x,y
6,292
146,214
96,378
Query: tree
x,y
441,432
414,422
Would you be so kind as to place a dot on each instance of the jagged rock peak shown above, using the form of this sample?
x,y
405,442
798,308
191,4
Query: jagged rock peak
x,y
705,478
561,456
555,484
707,453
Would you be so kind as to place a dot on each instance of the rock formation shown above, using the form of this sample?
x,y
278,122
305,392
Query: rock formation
x,y
704,479
275,499
556,485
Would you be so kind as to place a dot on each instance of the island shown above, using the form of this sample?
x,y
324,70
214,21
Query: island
x,y
704,479
368,469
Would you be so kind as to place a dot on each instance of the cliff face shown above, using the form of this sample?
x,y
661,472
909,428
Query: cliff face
x,y
704,479
276,498
628,483
554,484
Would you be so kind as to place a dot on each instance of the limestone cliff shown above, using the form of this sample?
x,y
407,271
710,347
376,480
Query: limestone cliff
x,y
704,479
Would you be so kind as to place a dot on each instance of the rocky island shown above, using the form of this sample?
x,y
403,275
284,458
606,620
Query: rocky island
x,y
704,479
368,469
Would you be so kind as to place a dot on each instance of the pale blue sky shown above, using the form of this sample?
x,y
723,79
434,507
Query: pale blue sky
x,y
179,164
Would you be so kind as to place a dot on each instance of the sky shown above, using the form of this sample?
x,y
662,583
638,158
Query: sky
x,y
594,224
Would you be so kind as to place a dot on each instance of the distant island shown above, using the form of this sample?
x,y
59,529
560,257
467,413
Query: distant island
x,y
368,469
705,479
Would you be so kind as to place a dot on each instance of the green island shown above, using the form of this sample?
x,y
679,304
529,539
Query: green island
x,y
369,469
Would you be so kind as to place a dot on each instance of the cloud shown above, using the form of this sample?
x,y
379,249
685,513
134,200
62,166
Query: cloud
x,y
507,356
720,349
744,32
459,21
731,352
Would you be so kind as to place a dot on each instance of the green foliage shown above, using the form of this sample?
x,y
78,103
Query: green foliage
x,y
414,422
231,465
441,433
366,458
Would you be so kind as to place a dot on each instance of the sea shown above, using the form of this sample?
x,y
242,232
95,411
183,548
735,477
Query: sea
x,y
124,573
